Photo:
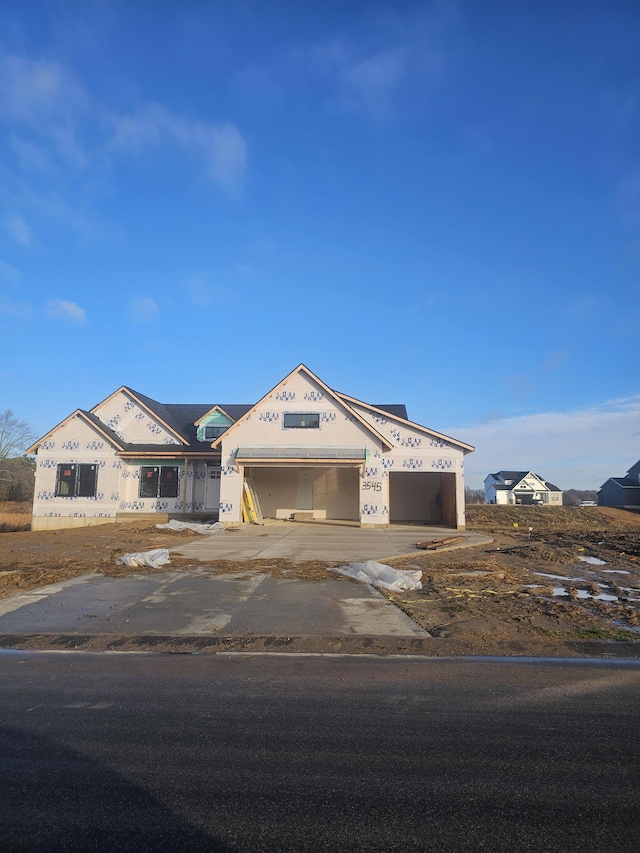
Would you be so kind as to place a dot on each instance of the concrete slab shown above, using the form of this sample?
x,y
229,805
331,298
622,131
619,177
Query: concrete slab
x,y
191,603
300,542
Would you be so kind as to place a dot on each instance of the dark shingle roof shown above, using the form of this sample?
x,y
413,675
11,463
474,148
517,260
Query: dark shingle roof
x,y
516,476
158,409
625,482
399,410
181,418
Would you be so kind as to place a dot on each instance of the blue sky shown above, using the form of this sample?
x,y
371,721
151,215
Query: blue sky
x,y
429,203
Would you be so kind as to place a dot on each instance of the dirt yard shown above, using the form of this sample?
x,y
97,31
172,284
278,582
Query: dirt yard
x,y
535,591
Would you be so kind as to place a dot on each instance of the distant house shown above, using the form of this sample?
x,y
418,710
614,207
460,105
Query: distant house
x,y
307,450
623,492
520,487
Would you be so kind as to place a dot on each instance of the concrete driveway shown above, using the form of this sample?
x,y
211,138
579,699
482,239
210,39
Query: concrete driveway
x,y
191,603
333,542
197,601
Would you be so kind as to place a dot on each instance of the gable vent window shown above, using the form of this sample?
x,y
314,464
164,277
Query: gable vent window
x,y
159,481
211,432
76,481
301,420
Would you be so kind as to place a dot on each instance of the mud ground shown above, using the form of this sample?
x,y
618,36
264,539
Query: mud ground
x,y
540,599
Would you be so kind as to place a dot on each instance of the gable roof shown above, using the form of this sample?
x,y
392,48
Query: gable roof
x,y
187,417
402,418
301,368
623,482
153,407
89,418
233,411
181,420
516,477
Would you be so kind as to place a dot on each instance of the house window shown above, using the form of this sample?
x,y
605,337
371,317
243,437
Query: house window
x,y
211,432
301,420
159,481
76,481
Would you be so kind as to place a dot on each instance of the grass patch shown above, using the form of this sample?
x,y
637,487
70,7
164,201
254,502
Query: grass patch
x,y
490,518
452,609
15,516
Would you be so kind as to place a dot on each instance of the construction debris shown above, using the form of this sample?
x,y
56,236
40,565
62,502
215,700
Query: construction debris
x,y
377,574
155,559
195,527
508,550
435,544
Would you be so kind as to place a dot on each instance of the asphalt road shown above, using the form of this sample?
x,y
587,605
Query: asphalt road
x,y
260,753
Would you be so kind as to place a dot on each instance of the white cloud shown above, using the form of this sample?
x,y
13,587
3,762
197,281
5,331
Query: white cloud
x,y
60,309
9,273
32,157
14,308
143,310
58,133
371,84
19,230
45,98
219,145
387,63
577,449
201,294
31,91
365,81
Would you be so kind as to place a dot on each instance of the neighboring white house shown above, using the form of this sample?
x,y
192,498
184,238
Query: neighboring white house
x,y
622,492
520,487
307,450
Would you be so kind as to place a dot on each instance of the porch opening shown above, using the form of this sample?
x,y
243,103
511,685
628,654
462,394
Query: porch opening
x,y
323,492
426,497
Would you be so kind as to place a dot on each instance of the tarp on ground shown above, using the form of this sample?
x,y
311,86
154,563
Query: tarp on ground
x,y
377,574
155,559
217,527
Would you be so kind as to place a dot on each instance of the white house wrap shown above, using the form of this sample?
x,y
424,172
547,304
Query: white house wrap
x,y
309,452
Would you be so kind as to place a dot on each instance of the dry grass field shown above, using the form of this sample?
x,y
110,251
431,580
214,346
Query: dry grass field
x,y
14,516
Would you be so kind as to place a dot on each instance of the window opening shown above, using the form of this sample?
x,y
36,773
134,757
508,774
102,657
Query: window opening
x,y
75,480
159,481
301,420
214,431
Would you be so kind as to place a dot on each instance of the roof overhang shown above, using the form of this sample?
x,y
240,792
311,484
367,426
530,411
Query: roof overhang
x,y
147,409
88,418
334,456
161,453
466,448
340,399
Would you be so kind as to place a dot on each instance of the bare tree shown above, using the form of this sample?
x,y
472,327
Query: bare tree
x,y
16,478
15,435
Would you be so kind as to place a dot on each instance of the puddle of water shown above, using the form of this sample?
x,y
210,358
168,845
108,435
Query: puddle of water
x,y
557,577
594,561
602,596
615,572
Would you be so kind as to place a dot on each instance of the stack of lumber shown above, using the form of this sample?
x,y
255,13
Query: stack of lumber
x,y
434,544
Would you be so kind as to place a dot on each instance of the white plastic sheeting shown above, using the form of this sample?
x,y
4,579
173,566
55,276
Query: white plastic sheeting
x,y
218,527
155,559
377,574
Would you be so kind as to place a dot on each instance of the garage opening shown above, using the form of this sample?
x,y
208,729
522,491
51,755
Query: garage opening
x,y
324,492
418,496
